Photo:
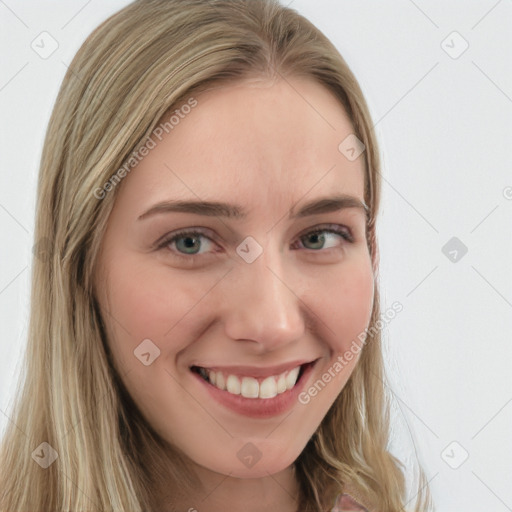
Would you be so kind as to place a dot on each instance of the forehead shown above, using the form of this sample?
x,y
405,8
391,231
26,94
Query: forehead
x,y
278,139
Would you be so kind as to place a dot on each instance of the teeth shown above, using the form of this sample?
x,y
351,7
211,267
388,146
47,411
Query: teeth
x,y
219,381
281,383
249,387
233,385
291,378
268,388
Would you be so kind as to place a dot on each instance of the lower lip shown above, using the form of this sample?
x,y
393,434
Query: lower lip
x,y
258,407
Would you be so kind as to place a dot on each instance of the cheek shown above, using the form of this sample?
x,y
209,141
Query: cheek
x,y
345,307
150,301
346,303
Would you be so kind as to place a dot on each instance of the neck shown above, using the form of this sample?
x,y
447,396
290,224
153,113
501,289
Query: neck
x,y
219,493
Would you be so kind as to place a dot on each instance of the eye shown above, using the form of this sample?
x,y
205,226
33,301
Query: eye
x,y
195,243
327,237
187,243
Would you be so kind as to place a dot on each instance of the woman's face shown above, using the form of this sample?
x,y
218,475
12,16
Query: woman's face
x,y
277,277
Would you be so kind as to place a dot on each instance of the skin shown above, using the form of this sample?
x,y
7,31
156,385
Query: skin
x,y
268,146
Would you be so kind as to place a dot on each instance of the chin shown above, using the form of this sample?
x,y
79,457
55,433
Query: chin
x,y
242,466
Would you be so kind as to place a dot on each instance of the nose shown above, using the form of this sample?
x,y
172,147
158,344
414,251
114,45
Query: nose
x,y
262,303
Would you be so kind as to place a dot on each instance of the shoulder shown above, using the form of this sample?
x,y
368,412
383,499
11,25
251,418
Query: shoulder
x,y
346,503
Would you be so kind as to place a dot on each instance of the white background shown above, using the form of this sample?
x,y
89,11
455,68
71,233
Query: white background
x,y
444,126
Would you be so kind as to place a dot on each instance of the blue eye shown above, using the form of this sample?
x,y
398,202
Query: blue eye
x,y
187,244
318,237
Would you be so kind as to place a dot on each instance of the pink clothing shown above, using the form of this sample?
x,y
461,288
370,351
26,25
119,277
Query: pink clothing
x,y
345,503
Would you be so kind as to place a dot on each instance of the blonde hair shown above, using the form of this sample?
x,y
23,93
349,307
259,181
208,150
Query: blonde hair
x,y
142,62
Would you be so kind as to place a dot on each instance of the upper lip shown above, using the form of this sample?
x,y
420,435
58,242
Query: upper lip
x,y
255,371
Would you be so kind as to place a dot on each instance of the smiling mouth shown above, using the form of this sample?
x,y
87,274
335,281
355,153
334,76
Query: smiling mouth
x,y
250,387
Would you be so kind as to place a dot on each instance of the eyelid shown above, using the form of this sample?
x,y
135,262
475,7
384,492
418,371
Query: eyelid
x,y
338,229
168,237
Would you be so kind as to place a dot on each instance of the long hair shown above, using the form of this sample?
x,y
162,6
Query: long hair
x,y
138,65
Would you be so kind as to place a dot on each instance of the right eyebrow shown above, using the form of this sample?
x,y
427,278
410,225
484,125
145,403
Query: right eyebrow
x,y
209,208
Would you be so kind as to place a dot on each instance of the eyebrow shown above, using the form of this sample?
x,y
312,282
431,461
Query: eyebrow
x,y
234,211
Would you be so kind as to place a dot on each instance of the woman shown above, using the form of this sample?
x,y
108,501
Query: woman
x,y
203,328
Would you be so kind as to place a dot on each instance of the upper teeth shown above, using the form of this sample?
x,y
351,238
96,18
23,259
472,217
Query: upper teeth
x,y
249,387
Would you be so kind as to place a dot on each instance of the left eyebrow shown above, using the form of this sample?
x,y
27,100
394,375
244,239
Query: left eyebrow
x,y
328,205
218,209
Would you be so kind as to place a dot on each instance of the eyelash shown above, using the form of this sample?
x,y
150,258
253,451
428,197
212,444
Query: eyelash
x,y
344,233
